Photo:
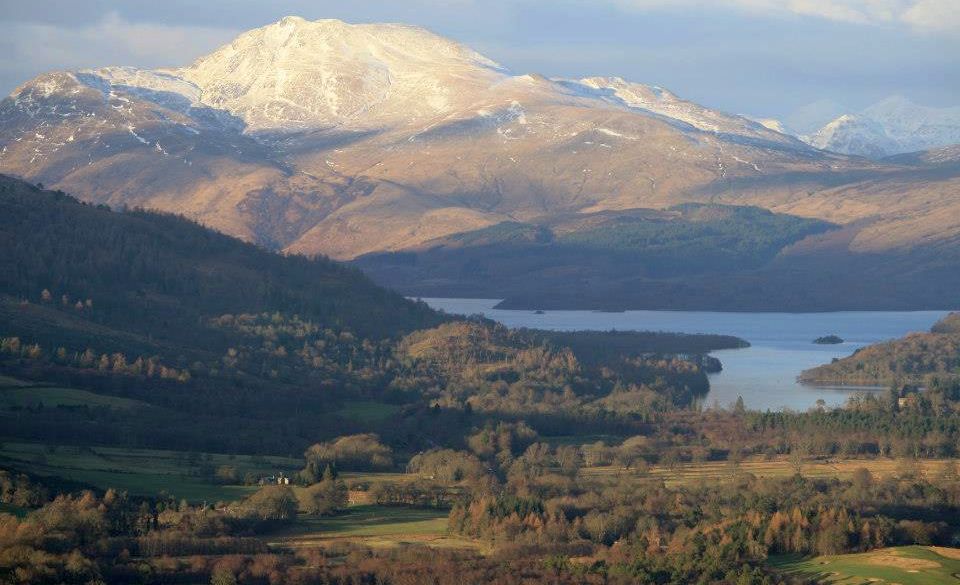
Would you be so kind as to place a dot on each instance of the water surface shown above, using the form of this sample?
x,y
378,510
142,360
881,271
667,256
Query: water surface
x,y
765,374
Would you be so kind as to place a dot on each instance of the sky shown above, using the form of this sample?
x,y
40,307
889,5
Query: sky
x,y
788,59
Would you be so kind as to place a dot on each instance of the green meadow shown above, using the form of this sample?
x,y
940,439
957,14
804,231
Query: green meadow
x,y
376,526
367,411
144,472
907,565
24,396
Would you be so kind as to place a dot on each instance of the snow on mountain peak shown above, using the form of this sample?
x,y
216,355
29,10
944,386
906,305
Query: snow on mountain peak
x,y
894,125
295,74
300,73
855,135
294,20
661,102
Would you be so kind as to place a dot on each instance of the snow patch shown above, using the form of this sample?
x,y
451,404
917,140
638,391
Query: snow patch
x,y
139,138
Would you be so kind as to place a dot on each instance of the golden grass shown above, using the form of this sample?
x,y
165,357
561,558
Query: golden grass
x,y
687,473
383,542
949,553
894,559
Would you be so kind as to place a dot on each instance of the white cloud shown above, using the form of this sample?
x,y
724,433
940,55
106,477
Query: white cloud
x,y
943,15
32,47
935,15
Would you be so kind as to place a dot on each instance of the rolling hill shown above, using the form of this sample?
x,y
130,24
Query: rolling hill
x,y
74,269
146,329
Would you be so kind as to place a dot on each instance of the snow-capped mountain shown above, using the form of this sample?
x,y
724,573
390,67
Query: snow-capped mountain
x,y
323,136
315,135
914,127
893,126
299,74
855,135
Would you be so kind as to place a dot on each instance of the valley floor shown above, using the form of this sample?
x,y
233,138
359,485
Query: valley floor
x,y
147,472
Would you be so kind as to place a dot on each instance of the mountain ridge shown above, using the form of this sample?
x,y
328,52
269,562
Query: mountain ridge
x,y
338,139
238,155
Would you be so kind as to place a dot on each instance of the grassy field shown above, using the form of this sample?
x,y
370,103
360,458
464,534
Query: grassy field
x,y
908,565
52,397
141,471
151,472
354,477
686,473
16,393
6,381
376,526
367,411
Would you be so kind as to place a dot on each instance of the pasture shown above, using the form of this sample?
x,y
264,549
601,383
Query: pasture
x,y
375,526
146,472
24,396
16,394
6,381
906,565
367,411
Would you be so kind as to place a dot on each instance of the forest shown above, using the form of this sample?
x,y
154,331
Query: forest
x,y
905,362
177,406
706,257
620,254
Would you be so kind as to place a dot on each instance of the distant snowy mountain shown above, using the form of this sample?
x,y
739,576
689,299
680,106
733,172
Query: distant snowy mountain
x,y
893,126
855,135
914,127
